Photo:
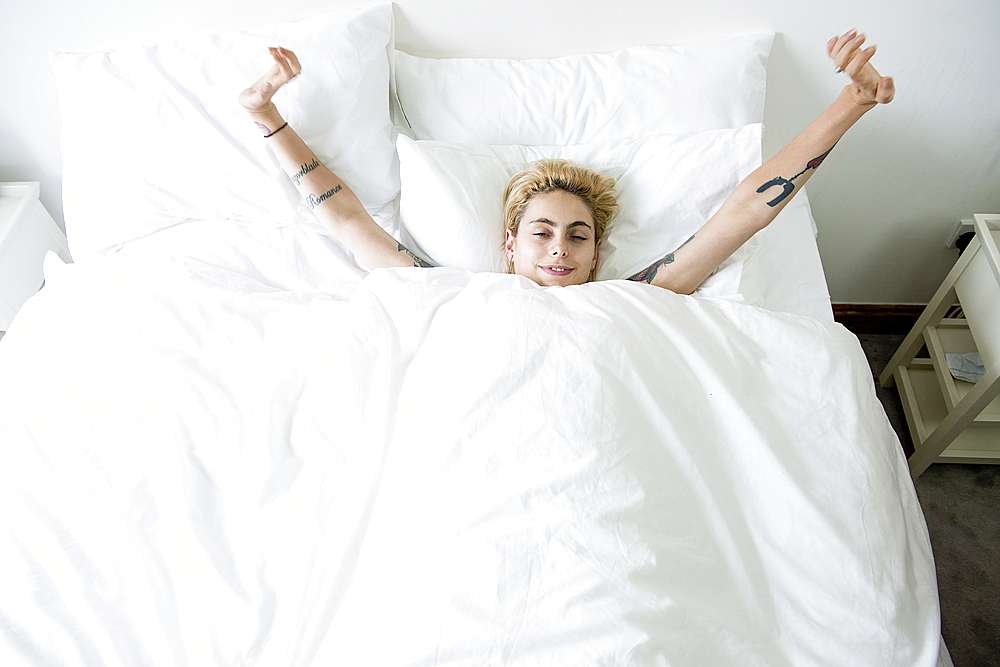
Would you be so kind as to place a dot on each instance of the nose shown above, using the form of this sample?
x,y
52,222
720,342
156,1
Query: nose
x,y
558,248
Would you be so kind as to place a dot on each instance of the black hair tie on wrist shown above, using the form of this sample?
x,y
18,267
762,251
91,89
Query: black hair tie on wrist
x,y
276,131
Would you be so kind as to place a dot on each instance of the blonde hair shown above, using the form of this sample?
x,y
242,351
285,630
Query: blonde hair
x,y
544,176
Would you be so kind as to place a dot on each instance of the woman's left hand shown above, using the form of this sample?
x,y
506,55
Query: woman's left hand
x,y
257,98
868,87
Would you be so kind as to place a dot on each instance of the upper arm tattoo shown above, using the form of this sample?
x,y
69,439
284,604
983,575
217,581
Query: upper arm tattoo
x,y
787,187
416,260
647,274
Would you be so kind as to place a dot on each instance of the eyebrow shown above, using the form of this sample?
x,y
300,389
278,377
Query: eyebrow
x,y
578,223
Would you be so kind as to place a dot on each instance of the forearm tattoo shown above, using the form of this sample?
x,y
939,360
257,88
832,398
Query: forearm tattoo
x,y
647,275
787,187
416,260
303,170
315,201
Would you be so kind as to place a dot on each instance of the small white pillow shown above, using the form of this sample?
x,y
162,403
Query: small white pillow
x,y
154,135
630,94
451,202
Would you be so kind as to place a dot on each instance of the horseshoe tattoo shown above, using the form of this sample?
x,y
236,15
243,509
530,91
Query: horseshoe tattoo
x,y
787,187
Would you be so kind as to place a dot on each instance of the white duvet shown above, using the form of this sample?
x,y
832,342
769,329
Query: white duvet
x,y
445,468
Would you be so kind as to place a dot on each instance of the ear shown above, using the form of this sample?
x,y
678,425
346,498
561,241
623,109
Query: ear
x,y
508,244
597,253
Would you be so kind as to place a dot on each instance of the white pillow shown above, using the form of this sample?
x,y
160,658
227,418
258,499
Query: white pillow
x,y
668,187
630,94
154,135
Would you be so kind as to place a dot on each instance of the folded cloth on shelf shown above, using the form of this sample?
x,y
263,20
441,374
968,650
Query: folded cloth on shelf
x,y
968,367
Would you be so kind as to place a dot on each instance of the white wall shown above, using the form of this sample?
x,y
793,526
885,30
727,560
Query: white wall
x,y
884,201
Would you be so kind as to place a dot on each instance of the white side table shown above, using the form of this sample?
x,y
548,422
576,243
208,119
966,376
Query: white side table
x,y
949,419
27,232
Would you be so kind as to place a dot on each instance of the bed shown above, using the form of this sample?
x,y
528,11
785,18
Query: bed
x,y
226,443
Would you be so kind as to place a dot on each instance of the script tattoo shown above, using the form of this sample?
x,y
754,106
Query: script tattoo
x,y
647,275
786,184
416,260
315,201
303,170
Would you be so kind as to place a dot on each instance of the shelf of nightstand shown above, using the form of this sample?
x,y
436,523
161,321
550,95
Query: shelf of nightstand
x,y
952,420
925,410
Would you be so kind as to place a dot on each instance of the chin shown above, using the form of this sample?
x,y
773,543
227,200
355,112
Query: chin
x,y
546,280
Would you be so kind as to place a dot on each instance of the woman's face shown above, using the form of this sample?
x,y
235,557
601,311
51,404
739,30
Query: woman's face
x,y
555,242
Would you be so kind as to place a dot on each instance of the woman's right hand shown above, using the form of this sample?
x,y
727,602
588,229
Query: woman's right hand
x,y
868,87
257,98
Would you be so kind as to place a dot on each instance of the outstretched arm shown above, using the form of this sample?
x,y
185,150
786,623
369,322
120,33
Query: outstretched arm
x,y
765,192
328,196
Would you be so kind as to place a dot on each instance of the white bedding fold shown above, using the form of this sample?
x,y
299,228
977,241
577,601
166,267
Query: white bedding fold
x,y
445,469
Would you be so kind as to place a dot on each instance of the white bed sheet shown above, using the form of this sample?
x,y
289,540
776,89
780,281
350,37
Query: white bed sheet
x,y
202,468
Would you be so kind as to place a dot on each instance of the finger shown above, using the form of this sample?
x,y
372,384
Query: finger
x,y
279,62
843,40
858,60
832,46
285,68
846,46
293,61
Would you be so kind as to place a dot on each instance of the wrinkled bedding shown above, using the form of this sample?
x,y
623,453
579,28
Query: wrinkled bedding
x,y
445,468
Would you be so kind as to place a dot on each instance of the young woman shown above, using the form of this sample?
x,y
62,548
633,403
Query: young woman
x,y
556,213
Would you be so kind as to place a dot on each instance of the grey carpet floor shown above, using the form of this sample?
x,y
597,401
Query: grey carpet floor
x,y
961,504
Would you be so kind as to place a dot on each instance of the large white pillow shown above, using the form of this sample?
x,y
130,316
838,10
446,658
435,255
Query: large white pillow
x,y
630,94
154,135
668,187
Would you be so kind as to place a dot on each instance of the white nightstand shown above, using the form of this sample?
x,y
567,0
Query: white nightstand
x,y
27,232
954,420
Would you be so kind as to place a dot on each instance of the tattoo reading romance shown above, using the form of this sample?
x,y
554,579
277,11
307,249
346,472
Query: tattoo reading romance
x,y
786,184
315,201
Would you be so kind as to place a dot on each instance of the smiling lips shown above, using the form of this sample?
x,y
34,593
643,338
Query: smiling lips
x,y
556,269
